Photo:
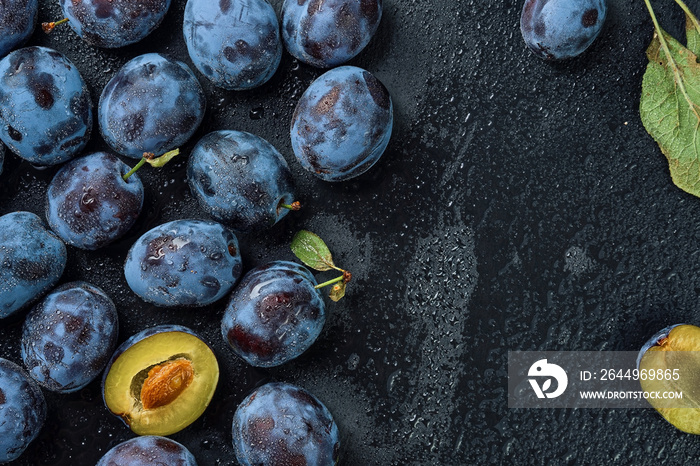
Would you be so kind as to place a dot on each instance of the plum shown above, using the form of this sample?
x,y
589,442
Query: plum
x,y
89,204
22,410
17,21
32,259
241,180
146,450
152,104
184,263
342,124
45,106
670,362
114,23
160,380
280,424
274,314
327,33
560,29
2,157
234,43
69,336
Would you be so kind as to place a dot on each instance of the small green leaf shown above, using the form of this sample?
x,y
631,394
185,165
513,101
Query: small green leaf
x,y
163,159
312,251
670,103
337,292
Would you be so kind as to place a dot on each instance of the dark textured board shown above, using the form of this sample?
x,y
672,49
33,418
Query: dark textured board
x,y
520,206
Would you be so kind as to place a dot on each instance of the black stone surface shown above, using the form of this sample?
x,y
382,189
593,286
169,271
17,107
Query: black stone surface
x,y
520,206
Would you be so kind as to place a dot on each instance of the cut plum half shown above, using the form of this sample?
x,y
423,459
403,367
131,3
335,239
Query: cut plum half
x,y
670,363
160,380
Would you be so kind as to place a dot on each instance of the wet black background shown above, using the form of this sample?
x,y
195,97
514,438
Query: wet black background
x,y
520,206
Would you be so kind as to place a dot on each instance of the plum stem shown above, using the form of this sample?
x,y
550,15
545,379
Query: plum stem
x,y
345,278
48,27
146,156
150,158
296,205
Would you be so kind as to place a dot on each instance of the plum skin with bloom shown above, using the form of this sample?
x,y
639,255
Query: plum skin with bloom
x,y
240,179
69,336
281,424
184,263
152,104
32,257
331,35
342,124
45,106
89,204
17,22
561,29
115,23
274,314
146,450
234,43
22,410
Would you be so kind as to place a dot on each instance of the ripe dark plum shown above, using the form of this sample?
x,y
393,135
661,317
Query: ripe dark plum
x,y
17,21
234,43
329,33
559,29
45,106
32,260
22,410
184,263
280,424
153,104
342,124
274,314
89,205
114,23
240,179
148,450
69,336
2,157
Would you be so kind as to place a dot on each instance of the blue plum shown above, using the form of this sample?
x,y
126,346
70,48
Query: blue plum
x,y
234,43
560,29
114,23
45,106
2,157
32,258
274,314
22,410
17,21
69,336
184,263
148,450
152,104
280,424
327,33
89,205
342,124
240,179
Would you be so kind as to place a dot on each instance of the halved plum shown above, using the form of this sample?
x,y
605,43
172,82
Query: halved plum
x,y
670,363
160,380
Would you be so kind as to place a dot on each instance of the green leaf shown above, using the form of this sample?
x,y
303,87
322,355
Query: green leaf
x,y
163,159
337,292
670,104
312,251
